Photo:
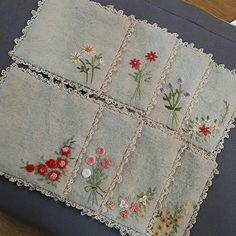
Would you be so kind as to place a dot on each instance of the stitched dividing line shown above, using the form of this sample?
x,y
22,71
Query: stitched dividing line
x,y
83,151
194,100
198,205
165,191
164,74
117,59
118,178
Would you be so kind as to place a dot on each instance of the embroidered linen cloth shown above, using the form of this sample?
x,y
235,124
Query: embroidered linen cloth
x,y
127,123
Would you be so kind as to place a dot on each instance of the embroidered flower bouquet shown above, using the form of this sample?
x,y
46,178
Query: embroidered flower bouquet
x,y
131,142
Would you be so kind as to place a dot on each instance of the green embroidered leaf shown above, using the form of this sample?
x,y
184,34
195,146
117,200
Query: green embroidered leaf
x,y
168,107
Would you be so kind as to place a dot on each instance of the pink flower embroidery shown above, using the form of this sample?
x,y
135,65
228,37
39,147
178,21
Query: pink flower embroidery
x,y
124,214
111,205
66,151
135,207
90,160
106,163
101,151
54,175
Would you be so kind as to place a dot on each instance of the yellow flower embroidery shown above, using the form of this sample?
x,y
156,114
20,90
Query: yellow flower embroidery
x,y
167,223
88,49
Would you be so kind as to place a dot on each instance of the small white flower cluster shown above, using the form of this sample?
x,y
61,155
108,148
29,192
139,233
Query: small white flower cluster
x,y
87,50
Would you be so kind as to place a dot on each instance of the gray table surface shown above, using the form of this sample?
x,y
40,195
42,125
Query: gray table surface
x,y
217,216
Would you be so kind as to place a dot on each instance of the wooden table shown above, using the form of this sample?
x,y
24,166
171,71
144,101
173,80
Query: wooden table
x,y
222,9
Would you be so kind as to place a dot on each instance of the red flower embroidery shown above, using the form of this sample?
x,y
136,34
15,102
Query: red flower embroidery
x,y
106,163
151,56
54,175
101,151
66,151
111,205
51,163
135,63
62,163
135,207
124,214
29,168
42,169
204,130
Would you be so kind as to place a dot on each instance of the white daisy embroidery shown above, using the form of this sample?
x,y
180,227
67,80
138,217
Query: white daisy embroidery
x,y
75,57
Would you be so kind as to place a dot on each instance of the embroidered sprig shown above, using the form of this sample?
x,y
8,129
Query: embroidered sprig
x,y
173,97
88,61
52,169
136,208
96,175
141,73
168,222
202,128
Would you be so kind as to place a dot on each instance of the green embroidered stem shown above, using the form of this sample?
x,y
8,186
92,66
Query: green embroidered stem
x,y
84,69
225,114
142,75
94,182
174,98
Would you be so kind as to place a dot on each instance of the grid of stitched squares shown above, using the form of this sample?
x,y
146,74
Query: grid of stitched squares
x,y
204,128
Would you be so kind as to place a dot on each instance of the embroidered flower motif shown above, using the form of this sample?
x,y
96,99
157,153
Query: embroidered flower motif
x,y
101,151
42,169
124,214
66,151
29,168
62,163
88,49
172,98
167,223
106,163
135,63
52,169
111,205
75,57
136,208
51,163
202,128
97,175
143,200
86,173
54,175
142,73
90,160
89,63
151,56
124,204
